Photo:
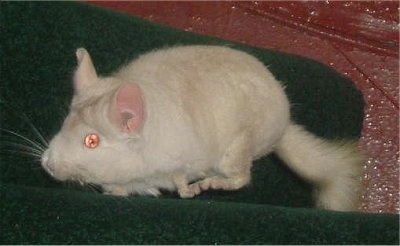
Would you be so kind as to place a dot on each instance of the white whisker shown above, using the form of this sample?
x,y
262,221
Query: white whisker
x,y
33,143
20,114
34,128
32,149
25,152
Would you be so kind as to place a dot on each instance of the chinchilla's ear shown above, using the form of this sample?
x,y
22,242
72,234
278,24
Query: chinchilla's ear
x,y
85,73
127,108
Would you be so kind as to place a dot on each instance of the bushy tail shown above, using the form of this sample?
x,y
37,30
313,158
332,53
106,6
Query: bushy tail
x,y
334,168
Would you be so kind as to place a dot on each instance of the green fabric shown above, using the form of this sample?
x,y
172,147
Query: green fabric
x,y
38,42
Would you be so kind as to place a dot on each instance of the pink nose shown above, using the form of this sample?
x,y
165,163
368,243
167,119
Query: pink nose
x,y
47,164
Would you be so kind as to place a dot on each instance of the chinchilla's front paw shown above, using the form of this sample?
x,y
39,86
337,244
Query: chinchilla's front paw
x,y
115,191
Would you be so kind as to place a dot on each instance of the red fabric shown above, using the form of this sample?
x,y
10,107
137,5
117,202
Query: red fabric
x,y
357,39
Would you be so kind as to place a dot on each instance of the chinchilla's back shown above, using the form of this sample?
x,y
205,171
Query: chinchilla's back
x,y
223,90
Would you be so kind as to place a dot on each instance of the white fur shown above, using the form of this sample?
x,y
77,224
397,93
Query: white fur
x,y
209,111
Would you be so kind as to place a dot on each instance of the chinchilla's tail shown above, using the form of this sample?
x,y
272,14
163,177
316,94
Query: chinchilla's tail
x,y
334,168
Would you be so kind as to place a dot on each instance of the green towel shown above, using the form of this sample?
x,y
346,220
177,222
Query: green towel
x,y
38,42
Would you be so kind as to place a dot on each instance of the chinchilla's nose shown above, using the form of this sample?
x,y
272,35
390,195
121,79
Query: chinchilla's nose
x,y
47,164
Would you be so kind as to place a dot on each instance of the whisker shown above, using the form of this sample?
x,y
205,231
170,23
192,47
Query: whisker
x,y
32,149
33,143
28,153
25,152
36,130
20,114
43,140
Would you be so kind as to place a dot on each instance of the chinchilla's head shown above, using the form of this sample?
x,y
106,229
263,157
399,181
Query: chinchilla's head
x,y
99,141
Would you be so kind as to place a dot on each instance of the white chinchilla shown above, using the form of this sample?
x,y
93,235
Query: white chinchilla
x,y
191,118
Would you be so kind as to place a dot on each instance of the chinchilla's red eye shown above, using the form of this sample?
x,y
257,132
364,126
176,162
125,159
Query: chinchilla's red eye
x,y
92,140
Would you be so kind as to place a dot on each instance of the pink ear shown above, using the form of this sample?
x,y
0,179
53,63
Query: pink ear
x,y
127,109
85,73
